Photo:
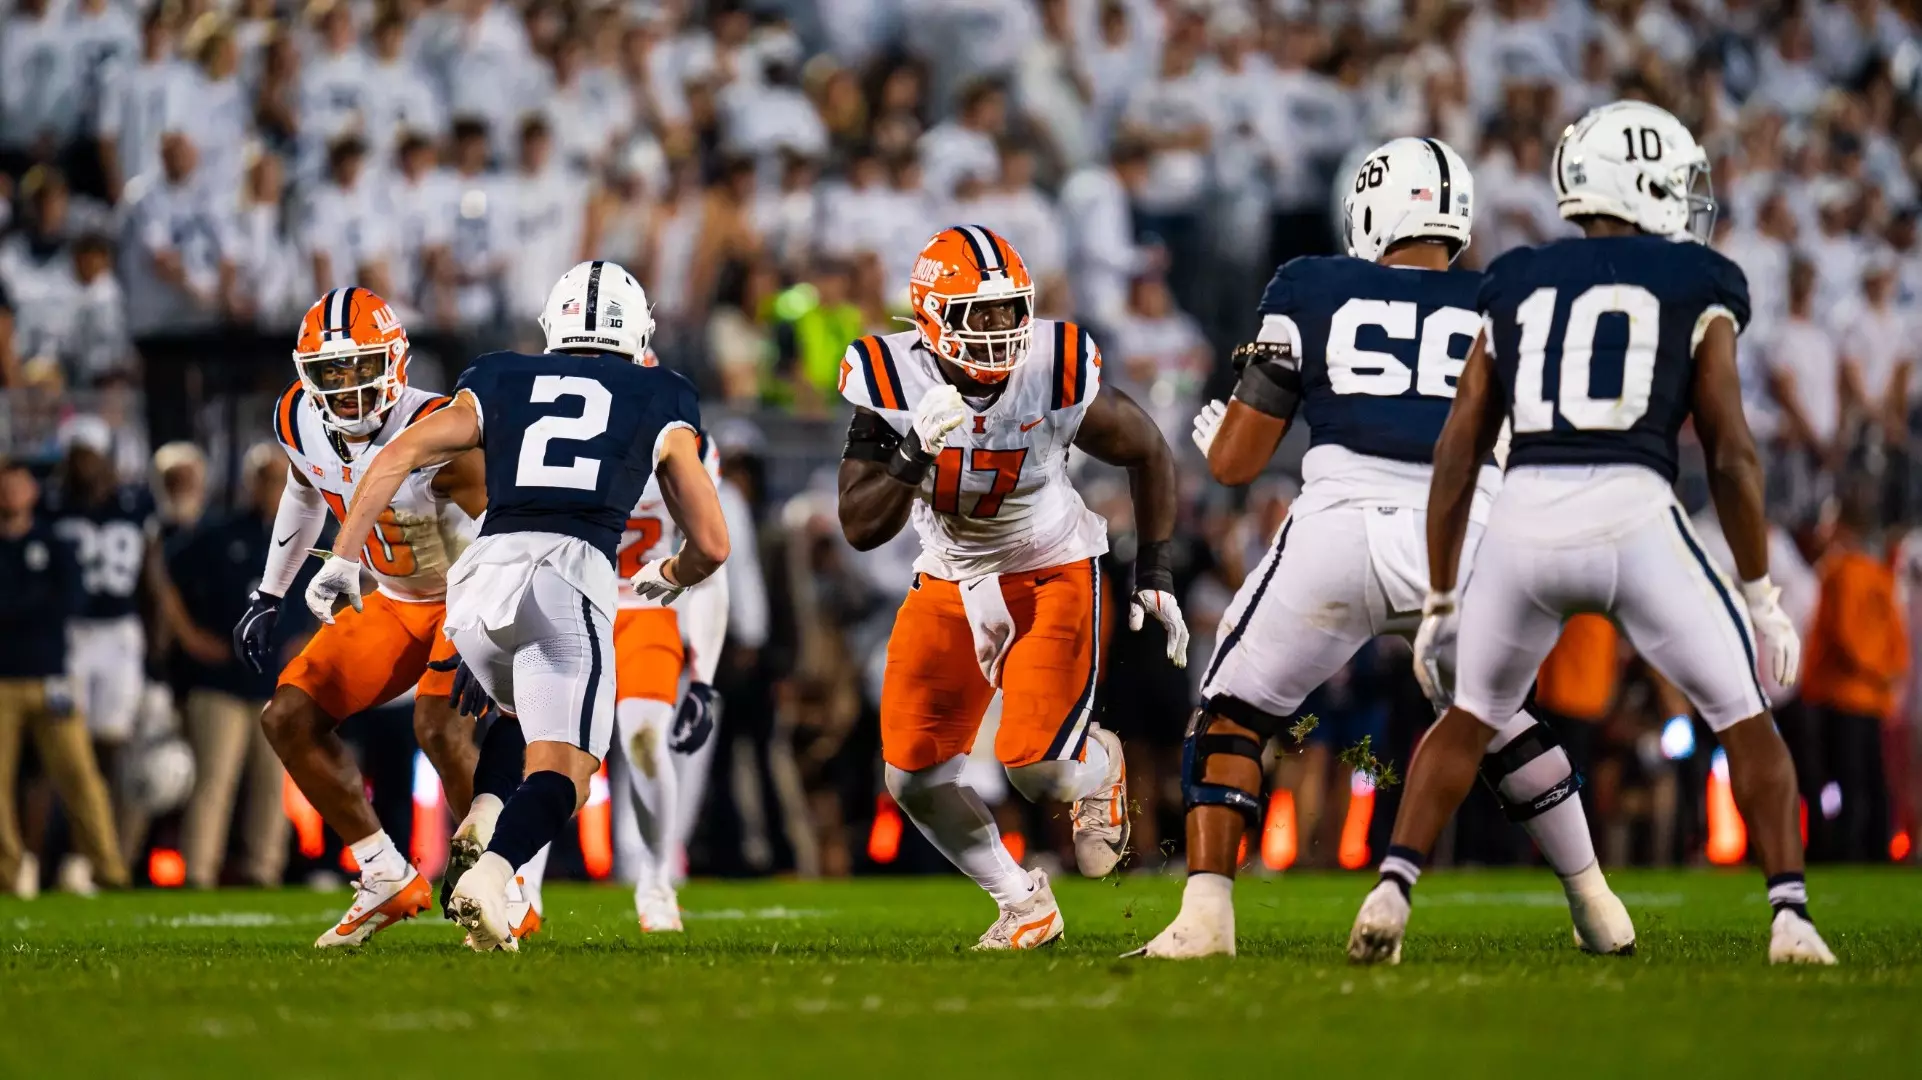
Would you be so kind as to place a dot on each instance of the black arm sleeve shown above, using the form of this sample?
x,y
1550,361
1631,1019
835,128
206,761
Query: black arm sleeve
x,y
1270,378
870,438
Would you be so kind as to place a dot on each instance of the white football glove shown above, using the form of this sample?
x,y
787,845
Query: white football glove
x,y
1435,647
1167,612
1775,628
1208,424
941,410
650,583
338,579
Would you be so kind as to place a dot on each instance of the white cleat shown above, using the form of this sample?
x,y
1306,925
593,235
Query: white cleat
x,y
1101,825
479,903
1794,940
26,879
1192,935
659,910
523,909
464,848
378,904
1033,922
76,876
1379,926
1602,924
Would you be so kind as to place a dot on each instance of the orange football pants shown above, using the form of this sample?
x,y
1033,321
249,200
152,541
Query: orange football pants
x,y
648,654
933,693
1578,677
371,656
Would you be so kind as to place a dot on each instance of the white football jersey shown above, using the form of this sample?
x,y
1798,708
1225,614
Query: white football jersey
x,y
651,533
420,534
998,499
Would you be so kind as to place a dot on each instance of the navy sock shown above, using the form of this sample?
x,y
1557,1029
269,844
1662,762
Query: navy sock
x,y
533,816
1402,865
498,770
1789,891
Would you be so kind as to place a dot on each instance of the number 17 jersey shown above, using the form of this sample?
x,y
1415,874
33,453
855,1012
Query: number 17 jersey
x,y
1592,342
571,439
998,499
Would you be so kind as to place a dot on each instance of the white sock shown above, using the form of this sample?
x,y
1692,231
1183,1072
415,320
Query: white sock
x,y
532,873
690,775
482,813
1561,831
379,858
1208,894
1063,781
644,727
953,819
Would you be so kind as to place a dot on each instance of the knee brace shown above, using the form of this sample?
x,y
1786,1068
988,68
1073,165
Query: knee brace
x,y
1201,744
1498,765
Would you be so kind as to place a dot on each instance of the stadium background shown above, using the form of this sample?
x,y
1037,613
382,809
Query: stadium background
x,y
182,179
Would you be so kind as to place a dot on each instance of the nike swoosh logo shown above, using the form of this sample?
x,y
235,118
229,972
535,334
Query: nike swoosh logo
x,y
1045,580
973,585
1031,425
285,540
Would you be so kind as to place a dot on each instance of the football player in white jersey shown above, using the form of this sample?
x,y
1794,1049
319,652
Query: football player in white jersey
x,y
963,424
350,401
653,645
1347,565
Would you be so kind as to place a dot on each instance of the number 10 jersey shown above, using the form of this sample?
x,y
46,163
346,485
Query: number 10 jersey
x,y
998,499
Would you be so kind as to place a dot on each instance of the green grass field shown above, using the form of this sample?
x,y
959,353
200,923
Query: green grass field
x,y
873,978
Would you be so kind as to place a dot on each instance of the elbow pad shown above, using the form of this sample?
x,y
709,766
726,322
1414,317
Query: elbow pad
x,y
871,438
1270,380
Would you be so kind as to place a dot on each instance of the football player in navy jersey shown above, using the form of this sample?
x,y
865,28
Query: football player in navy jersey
x,y
1595,351
570,438
1367,348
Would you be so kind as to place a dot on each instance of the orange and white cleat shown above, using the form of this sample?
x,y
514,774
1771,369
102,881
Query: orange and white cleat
x,y
658,909
523,914
378,904
1101,824
1028,924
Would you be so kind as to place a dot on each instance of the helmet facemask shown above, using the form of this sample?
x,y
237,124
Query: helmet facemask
x,y
354,387
988,333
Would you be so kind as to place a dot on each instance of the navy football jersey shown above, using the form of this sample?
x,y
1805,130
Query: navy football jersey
x,y
1593,344
110,540
569,439
1379,348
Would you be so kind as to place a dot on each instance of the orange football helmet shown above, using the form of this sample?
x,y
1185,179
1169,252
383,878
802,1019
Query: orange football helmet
x,y
973,301
352,357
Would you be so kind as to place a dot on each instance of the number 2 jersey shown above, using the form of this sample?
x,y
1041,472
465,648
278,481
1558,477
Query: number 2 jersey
x,y
1379,350
1593,344
420,534
998,499
571,439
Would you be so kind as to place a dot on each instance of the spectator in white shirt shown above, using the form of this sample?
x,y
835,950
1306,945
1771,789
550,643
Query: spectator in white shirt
x,y
137,103
1834,249
909,216
1157,354
1790,80
1103,253
550,209
966,143
1878,350
422,205
173,258
1762,250
398,98
272,278
105,41
483,240
333,88
346,240
215,109
39,86
1114,63
1805,373
787,216
1053,92
77,318
854,210
1173,113
1012,206
585,122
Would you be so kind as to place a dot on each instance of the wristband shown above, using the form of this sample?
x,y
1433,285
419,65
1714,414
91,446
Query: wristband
x,y
909,463
1154,567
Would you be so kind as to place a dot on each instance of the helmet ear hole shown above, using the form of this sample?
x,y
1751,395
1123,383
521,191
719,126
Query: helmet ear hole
x,y
1368,219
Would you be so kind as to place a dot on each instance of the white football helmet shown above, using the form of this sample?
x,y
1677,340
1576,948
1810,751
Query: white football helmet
x,y
1409,189
598,307
1636,162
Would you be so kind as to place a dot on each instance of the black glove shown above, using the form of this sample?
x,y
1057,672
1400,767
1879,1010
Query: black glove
x,y
469,697
254,633
694,723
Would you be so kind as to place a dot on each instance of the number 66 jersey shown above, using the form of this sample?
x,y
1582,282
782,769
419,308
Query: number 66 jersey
x,y
998,499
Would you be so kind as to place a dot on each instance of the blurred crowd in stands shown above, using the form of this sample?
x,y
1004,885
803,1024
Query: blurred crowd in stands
x,y
179,179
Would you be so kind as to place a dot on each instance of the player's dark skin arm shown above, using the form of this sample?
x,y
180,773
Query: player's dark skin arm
x,y
1761,772
1115,430
1474,423
873,505
1244,443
